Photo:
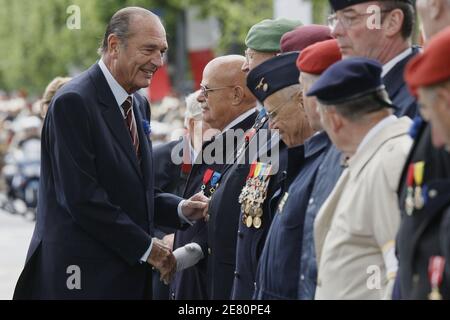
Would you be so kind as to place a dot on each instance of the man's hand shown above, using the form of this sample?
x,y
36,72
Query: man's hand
x,y
196,207
168,240
161,257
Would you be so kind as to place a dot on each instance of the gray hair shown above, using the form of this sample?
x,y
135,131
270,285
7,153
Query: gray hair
x,y
193,107
119,25
356,109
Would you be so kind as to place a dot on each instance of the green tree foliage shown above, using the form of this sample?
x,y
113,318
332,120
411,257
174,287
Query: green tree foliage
x,y
36,44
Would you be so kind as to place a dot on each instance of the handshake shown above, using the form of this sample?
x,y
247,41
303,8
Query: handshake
x,y
161,256
168,262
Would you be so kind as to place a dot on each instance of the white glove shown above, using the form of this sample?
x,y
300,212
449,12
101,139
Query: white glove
x,y
188,255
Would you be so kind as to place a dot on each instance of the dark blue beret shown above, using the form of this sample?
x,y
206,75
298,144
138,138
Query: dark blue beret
x,y
347,80
342,4
272,75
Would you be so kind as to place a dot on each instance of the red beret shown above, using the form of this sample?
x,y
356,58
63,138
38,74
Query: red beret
x,y
432,66
304,36
318,57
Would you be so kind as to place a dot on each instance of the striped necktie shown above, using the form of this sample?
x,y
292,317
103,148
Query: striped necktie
x,y
131,124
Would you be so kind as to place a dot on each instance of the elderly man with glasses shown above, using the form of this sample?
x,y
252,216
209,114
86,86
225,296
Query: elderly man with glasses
x,y
379,30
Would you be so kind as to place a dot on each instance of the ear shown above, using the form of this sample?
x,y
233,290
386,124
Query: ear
x,y
336,120
113,45
443,94
238,95
394,22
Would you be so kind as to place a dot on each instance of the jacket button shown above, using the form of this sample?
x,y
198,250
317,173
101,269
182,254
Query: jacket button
x,y
415,279
236,275
240,234
432,193
209,250
172,296
302,277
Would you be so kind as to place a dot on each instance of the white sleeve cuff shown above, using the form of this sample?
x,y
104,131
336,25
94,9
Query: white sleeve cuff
x,y
181,215
147,253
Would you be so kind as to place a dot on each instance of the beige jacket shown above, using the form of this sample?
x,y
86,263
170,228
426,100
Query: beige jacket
x,y
355,229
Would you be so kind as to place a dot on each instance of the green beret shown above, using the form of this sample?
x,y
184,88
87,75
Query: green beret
x,y
265,36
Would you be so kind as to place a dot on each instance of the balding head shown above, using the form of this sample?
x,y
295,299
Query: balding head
x,y
230,96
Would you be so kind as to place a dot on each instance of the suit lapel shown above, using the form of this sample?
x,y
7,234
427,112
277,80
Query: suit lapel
x,y
434,206
394,80
143,142
113,116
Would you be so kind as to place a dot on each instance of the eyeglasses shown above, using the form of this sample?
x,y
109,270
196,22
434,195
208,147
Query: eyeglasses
x,y
346,20
205,89
248,55
272,114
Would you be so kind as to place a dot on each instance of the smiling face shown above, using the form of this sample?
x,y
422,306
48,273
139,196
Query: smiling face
x,y
135,61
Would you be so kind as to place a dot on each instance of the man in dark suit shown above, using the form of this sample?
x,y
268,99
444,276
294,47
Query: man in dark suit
x,y
423,242
97,204
173,164
231,110
379,30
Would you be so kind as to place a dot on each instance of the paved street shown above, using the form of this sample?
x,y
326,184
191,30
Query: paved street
x,y
15,235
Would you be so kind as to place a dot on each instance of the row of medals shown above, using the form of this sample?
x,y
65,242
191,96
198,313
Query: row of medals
x,y
251,199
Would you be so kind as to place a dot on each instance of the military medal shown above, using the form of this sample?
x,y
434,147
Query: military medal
x,y
282,202
418,179
409,202
249,221
214,182
254,193
435,272
257,222
206,178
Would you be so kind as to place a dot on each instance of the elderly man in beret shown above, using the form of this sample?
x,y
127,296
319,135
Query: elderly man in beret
x,y
355,229
379,30
277,272
312,62
263,40
423,242
304,36
435,16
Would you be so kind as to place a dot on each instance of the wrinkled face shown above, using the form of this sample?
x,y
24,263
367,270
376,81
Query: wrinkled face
x,y
435,108
289,117
328,125
356,33
310,103
215,99
255,58
142,55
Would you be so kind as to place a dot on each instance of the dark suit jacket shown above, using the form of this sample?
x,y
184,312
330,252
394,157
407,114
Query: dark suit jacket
x,y
405,104
191,283
97,204
424,233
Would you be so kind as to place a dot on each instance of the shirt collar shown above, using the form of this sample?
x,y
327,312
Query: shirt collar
x,y
377,128
316,143
239,119
118,91
391,64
